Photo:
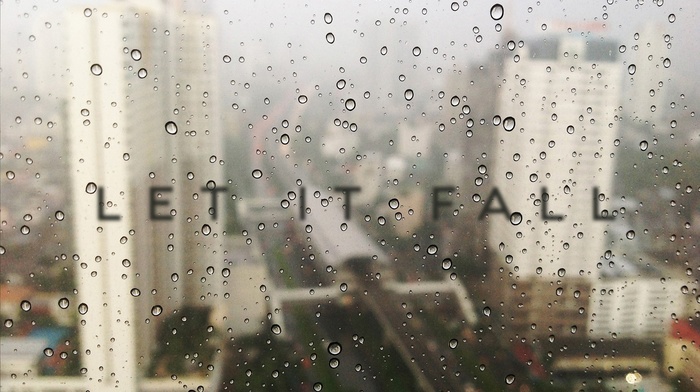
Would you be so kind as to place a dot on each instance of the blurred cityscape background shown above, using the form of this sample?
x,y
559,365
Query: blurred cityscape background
x,y
441,196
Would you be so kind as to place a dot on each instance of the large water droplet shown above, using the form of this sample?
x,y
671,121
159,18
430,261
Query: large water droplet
x,y
509,124
350,104
335,348
136,55
257,174
632,69
96,69
446,264
510,379
171,127
82,308
408,94
394,204
630,235
432,249
453,343
63,303
156,310
516,218
497,12
91,188
328,18
330,38
25,305
276,329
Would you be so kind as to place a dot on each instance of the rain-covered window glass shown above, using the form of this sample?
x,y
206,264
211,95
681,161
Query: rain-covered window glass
x,y
425,196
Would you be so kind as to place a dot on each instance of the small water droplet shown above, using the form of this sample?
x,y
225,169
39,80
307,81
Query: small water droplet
x,y
206,229
510,379
632,69
487,311
330,38
82,308
453,343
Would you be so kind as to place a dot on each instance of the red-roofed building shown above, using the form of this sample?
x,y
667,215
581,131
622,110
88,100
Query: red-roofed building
x,y
682,351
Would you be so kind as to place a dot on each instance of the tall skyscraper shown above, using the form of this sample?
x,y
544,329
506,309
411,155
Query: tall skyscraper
x,y
144,134
558,102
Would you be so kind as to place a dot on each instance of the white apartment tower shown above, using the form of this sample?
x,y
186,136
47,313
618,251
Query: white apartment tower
x,y
131,68
564,95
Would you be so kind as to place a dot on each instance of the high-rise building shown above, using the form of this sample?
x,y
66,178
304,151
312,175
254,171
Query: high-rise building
x,y
144,151
558,104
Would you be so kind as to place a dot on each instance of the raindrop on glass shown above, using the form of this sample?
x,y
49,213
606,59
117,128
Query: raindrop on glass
x,y
509,124
170,127
276,329
350,104
96,69
497,12
335,348
91,188
156,310
394,204
516,218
